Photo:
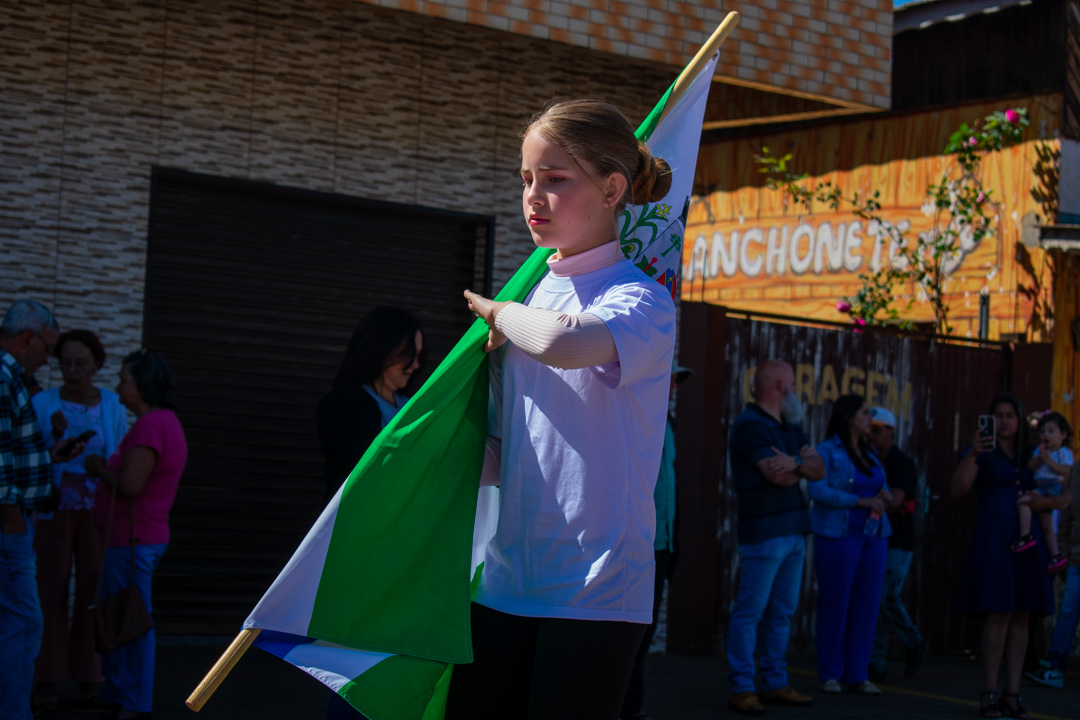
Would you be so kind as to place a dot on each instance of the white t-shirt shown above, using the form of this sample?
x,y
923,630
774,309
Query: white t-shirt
x,y
580,455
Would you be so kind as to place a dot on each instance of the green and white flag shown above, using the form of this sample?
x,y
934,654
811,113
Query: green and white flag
x,y
375,601
651,235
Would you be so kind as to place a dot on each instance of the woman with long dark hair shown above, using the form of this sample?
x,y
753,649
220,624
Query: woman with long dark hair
x,y
848,517
382,357
1003,586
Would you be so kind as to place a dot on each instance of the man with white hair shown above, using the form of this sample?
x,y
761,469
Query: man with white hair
x,y
903,477
27,337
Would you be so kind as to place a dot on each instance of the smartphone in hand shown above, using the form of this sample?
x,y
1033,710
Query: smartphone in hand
x,y
68,447
988,428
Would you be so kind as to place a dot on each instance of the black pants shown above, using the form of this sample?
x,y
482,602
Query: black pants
x,y
538,669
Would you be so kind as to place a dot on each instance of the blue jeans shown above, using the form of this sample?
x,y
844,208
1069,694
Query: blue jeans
x,y
893,614
1061,640
770,578
850,571
20,623
129,671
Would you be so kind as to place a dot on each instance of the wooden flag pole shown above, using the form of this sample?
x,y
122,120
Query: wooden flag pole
x,y
686,77
221,668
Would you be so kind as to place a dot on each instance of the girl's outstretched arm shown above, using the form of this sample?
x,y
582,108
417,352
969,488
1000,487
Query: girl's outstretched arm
x,y
548,336
558,339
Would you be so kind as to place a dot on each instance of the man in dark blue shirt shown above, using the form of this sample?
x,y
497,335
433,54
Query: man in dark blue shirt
x,y
770,454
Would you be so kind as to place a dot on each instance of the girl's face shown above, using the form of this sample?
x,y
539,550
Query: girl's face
x,y
1005,420
860,424
1052,436
77,364
566,207
400,367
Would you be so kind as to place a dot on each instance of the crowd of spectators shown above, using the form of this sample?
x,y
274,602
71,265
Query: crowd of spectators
x,y
80,494
859,506
85,497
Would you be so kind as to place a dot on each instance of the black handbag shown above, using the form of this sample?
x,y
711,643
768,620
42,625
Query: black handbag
x,y
121,618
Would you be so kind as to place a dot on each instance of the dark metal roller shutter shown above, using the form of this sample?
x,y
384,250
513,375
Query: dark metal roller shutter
x,y
252,291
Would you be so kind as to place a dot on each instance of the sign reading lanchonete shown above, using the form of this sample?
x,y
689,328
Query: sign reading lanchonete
x,y
816,245
749,248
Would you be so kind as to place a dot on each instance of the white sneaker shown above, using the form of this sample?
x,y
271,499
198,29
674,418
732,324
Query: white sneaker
x,y
1047,676
866,688
833,686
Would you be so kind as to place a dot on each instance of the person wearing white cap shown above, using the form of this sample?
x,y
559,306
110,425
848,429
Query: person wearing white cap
x,y
903,477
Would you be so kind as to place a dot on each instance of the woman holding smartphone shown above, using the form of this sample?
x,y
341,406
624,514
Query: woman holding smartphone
x,y
78,409
1002,586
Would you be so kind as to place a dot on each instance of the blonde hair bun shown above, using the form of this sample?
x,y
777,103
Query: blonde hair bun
x,y
653,180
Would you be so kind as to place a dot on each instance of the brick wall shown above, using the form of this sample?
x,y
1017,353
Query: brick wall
x,y
837,49
330,95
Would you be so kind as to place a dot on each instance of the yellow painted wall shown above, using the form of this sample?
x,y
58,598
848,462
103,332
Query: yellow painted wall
x,y
747,248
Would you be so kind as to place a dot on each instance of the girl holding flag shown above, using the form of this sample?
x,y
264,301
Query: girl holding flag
x,y
582,388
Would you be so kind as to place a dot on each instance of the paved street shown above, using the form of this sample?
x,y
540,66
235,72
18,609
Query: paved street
x,y
679,688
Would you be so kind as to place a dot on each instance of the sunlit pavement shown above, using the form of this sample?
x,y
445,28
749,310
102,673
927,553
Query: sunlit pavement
x,y
689,688
677,688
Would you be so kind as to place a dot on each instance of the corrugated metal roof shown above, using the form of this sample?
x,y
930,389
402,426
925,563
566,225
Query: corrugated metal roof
x,y
919,15
1062,237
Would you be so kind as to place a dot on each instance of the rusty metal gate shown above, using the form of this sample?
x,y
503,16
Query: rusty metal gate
x,y
936,387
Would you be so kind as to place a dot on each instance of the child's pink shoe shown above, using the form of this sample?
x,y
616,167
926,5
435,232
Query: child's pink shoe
x,y
1057,562
1022,543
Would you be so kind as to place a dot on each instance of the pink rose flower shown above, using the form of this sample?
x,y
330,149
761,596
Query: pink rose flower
x,y
981,198
972,141
843,306
1012,116
859,324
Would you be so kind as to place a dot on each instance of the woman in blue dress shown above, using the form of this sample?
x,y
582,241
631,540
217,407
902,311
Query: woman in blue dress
x,y
1003,586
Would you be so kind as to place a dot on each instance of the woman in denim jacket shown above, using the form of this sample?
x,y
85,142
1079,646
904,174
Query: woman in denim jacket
x,y
850,527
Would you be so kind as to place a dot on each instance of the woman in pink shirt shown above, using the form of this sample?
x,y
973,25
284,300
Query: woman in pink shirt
x,y
140,478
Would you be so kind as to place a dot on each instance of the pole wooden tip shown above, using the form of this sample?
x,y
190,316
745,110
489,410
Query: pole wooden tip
x,y
222,668
690,72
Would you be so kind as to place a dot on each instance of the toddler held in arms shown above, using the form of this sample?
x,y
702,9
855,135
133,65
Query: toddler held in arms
x,y
1051,462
